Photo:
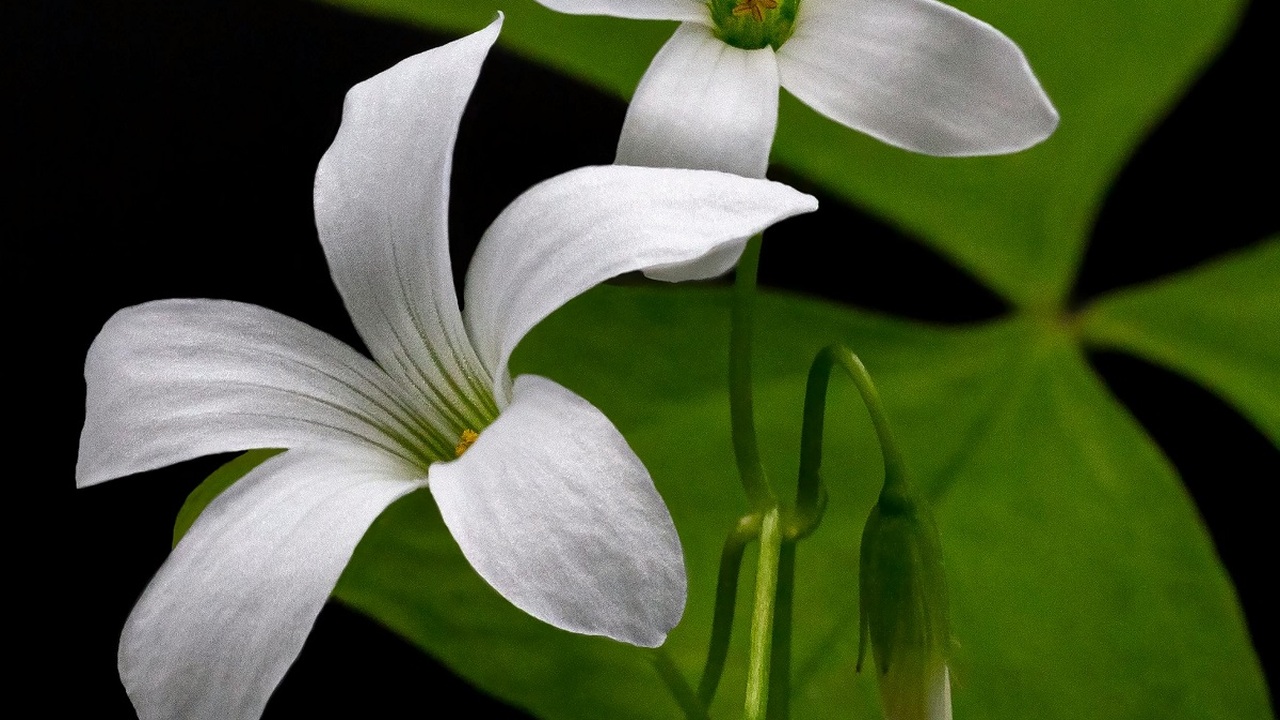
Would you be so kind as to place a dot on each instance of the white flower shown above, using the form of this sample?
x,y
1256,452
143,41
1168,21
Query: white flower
x,y
914,73
543,495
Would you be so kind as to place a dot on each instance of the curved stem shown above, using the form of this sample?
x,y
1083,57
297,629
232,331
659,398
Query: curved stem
x,y
810,494
680,690
759,662
746,530
811,500
741,403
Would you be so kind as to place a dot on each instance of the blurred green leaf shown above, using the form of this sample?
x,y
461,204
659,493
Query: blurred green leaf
x,y
1084,584
1219,324
1018,222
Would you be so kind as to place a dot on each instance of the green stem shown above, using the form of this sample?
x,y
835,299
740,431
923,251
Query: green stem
x,y
811,500
741,404
746,530
680,690
810,495
780,667
759,662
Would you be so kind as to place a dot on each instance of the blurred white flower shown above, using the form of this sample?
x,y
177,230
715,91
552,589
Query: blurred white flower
x,y
914,73
542,493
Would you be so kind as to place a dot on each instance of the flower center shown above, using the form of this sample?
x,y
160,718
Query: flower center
x,y
466,440
753,24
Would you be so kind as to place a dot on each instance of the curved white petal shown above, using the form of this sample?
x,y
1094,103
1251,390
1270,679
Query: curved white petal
x,y
703,104
571,232
229,610
916,74
557,513
691,10
176,379
381,203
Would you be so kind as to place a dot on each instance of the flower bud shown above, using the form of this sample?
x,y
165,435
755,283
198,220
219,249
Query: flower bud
x,y
904,607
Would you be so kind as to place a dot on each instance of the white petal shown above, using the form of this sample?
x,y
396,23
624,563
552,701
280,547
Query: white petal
x,y
557,513
703,104
569,233
916,74
177,379
229,610
382,201
692,10
940,696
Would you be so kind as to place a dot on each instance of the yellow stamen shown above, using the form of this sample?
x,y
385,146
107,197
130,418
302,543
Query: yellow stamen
x,y
467,440
754,8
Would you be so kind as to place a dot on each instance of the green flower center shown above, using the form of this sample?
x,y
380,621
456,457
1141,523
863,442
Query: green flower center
x,y
753,24
458,411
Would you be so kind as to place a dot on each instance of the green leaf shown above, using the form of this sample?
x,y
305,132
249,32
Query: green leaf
x,y
1083,583
1218,324
1078,563
1017,222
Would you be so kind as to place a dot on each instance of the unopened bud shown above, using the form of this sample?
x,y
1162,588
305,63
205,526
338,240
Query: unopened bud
x,y
904,607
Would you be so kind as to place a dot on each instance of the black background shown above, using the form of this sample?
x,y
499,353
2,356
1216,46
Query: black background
x,y
167,148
